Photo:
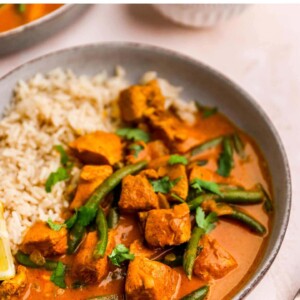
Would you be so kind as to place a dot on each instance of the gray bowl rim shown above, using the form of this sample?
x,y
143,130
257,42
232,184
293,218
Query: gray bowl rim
x,y
28,26
257,277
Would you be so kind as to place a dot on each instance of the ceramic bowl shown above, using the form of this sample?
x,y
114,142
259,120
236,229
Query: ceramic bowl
x,y
199,82
29,34
200,15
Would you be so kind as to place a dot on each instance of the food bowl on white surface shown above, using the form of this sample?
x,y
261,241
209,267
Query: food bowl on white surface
x,y
200,15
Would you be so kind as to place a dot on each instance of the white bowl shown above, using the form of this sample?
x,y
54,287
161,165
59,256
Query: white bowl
x,y
200,15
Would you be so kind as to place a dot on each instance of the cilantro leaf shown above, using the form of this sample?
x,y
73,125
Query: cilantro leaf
x,y
134,134
177,159
58,275
225,162
64,158
136,148
164,185
119,254
55,226
86,215
60,174
209,111
71,221
200,184
206,223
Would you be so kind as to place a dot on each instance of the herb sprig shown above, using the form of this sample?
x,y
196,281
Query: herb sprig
x,y
134,134
58,275
62,173
120,254
164,184
177,159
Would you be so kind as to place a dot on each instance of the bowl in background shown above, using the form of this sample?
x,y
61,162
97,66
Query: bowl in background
x,y
31,33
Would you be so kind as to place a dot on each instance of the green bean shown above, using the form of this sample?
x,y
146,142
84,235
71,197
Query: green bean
x,y
191,250
240,197
198,294
112,218
105,297
229,196
193,204
173,260
247,220
103,234
239,146
231,212
227,187
207,145
91,207
268,204
225,161
23,259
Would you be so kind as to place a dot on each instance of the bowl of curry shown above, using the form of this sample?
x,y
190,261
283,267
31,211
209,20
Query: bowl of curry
x,y
22,25
173,199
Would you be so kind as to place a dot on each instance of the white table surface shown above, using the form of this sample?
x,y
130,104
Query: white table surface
x,y
259,50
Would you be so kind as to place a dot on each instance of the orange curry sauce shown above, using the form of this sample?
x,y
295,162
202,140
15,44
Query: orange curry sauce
x,y
246,247
12,15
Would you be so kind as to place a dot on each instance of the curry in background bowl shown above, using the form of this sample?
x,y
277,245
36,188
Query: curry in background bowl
x,y
15,15
23,25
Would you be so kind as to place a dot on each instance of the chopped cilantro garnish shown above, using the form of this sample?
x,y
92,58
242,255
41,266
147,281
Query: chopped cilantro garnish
x,y
206,223
134,134
177,159
120,254
210,186
58,275
55,226
64,158
164,185
61,174
136,148
209,111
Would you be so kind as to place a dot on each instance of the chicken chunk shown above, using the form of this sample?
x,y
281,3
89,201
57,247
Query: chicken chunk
x,y
140,100
137,194
90,178
205,174
47,241
151,280
209,175
149,151
157,149
139,249
214,261
87,269
98,148
13,288
176,172
171,130
167,227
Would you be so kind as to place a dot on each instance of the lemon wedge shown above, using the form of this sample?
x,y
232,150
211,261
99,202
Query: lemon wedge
x,y
7,267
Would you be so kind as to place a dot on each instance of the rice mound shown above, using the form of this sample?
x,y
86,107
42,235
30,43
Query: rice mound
x,y
54,109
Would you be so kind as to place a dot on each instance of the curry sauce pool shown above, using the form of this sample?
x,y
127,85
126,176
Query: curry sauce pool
x,y
172,181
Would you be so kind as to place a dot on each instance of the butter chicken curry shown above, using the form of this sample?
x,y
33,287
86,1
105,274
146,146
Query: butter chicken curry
x,y
162,210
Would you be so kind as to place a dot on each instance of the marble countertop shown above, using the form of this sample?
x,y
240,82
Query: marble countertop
x,y
259,50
